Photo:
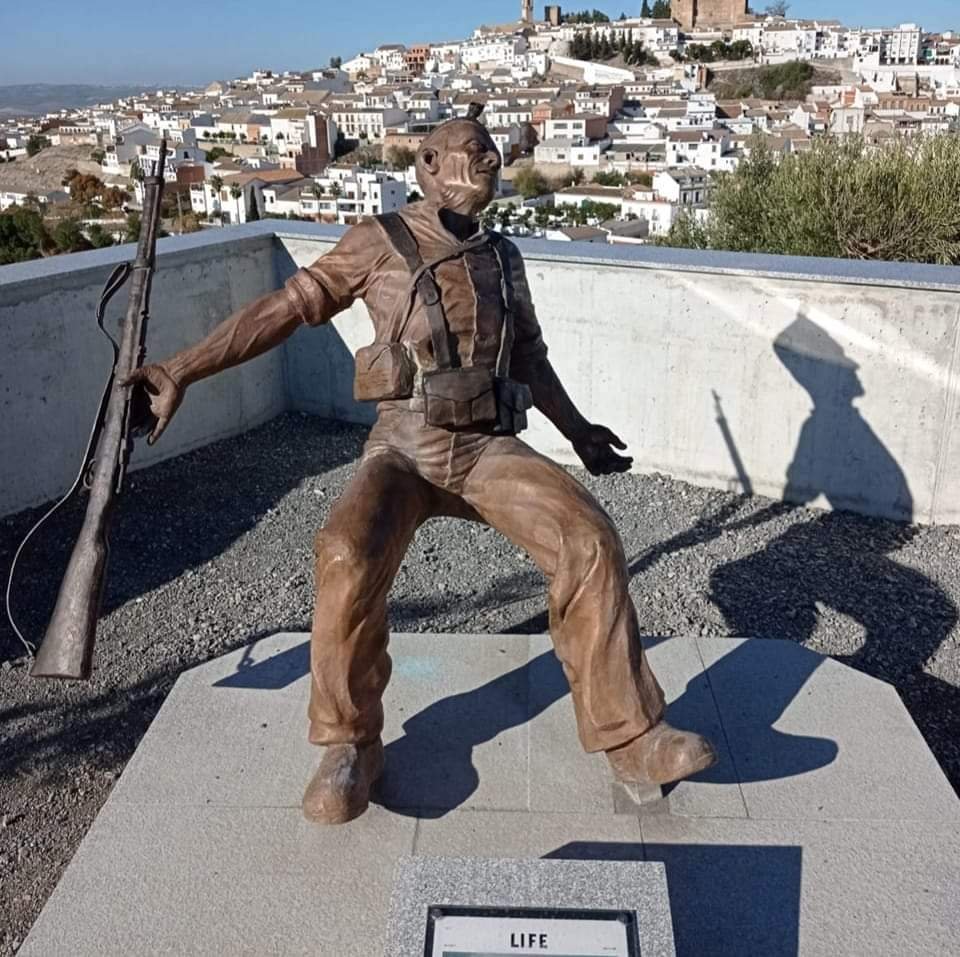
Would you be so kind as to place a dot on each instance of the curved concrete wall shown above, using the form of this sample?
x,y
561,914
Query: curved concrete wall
x,y
823,381
55,360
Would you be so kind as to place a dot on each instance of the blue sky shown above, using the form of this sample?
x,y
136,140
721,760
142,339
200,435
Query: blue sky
x,y
193,41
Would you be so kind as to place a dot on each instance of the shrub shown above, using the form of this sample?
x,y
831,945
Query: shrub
x,y
842,198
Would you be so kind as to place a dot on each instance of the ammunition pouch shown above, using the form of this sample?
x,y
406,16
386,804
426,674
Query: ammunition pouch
x,y
384,370
459,398
474,398
513,401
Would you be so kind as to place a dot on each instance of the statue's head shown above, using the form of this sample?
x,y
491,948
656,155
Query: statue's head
x,y
458,163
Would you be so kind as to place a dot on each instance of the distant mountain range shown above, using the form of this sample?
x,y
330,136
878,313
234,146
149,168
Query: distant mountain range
x,y
38,98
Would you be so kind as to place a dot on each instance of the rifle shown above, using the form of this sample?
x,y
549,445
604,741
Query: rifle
x,y
67,647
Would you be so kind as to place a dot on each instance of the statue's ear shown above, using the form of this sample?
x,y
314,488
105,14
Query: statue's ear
x,y
430,159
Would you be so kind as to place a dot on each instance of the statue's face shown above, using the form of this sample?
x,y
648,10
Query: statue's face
x,y
460,170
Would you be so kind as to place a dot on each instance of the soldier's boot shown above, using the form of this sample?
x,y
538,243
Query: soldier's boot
x,y
661,755
339,791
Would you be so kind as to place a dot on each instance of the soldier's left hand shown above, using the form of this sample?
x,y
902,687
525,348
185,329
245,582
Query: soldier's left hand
x,y
594,448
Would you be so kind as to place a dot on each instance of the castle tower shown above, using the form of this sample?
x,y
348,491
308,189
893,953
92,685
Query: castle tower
x,y
707,13
526,11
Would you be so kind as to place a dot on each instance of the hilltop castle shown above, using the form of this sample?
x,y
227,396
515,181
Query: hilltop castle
x,y
707,13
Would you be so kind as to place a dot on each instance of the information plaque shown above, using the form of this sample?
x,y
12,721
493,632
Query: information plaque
x,y
507,932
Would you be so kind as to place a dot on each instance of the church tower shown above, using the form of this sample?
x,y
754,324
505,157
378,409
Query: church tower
x,y
526,11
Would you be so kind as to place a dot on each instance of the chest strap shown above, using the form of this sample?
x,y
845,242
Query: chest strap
x,y
425,285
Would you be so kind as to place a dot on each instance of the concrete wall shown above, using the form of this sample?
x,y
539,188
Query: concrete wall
x,y
838,381
54,360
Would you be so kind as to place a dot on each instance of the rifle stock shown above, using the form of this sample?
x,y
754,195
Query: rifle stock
x,y
67,648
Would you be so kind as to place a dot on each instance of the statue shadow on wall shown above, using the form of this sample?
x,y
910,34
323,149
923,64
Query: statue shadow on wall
x,y
841,564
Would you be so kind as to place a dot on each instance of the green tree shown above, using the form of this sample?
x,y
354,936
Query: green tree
x,y
661,10
98,156
400,157
842,198
530,182
217,152
35,143
645,10
335,63
131,232
99,238
23,235
236,192
216,184
610,178
68,236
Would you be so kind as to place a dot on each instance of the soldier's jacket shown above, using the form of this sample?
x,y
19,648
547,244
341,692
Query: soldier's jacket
x,y
365,266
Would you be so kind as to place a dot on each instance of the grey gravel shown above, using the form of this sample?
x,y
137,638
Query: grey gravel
x,y
213,549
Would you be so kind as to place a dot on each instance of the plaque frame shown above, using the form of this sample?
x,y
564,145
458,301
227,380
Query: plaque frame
x,y
627,917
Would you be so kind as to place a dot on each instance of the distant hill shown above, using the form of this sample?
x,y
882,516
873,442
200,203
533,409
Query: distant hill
x,y
39,98
783,81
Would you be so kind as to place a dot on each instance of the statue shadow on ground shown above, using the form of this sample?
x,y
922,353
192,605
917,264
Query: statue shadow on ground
x,y
430,768
725,899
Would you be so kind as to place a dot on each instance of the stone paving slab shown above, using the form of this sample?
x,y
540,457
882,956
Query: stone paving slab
x,y
812,738
826,824
223,880
809,887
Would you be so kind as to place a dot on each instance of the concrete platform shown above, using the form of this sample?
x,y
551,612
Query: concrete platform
x,y
826,828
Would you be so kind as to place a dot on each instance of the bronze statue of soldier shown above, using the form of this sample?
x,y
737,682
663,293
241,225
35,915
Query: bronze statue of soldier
x,y
457,359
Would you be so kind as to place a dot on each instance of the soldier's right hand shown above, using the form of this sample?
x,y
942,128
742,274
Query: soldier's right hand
x,y
163,395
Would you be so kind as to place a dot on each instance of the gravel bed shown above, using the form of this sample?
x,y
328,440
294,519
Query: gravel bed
x,y
213,549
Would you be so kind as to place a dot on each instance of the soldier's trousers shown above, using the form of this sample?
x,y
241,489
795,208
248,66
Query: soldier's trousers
x,y
410,472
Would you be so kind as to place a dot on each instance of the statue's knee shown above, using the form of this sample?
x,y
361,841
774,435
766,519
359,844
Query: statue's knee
x,y
596,542
334,549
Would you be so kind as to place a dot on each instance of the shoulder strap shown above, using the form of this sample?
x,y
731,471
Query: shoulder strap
x,y
403,241
398,232
502,251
